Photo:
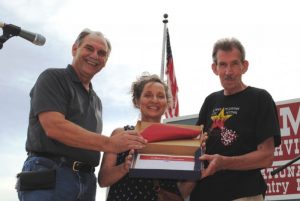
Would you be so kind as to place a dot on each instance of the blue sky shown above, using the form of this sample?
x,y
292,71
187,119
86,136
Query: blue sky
x,y
269,30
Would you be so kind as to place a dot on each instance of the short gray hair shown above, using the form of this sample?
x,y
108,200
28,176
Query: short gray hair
x,y
86,32
227,44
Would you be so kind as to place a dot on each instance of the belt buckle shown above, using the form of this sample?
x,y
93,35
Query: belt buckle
x,y
75,164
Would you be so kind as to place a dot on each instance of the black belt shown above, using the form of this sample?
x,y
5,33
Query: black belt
x,y
75,165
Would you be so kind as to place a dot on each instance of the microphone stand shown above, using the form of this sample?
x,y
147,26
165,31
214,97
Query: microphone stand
x,y
277,170
8,31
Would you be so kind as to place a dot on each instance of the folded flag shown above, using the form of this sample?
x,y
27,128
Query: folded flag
x,y
163,132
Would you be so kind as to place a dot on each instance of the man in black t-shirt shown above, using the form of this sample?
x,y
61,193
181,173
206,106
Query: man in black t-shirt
x,y
65,124
243,130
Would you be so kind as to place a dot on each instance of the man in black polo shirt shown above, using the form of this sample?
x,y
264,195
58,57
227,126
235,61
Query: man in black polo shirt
x,y
64,134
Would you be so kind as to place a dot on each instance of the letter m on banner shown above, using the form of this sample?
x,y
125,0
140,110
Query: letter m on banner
x,y
173,109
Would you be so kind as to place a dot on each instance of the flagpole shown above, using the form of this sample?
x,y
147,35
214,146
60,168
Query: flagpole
x,y
162,71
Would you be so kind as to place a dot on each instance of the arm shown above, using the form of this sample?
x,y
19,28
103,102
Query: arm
x,y
261,158
109,172
186,187
66,132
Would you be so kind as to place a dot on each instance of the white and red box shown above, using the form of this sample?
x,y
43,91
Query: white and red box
x,y
168,159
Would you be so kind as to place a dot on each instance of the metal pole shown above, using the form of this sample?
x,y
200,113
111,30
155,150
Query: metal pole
x,y
162,71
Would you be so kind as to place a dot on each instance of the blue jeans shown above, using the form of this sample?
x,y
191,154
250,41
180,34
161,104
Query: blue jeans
x,y
69,185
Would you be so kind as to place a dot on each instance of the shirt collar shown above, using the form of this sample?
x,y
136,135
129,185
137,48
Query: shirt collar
x,y
74,76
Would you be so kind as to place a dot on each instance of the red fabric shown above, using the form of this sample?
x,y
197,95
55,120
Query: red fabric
x,y
172,110
162,132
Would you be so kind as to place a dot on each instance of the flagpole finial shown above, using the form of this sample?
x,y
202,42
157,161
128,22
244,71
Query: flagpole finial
x,y
166,18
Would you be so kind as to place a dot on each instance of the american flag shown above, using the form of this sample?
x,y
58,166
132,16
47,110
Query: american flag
x,y
173,109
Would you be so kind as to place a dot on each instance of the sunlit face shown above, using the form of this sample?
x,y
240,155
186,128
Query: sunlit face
x,y
90,56
153,102
230,69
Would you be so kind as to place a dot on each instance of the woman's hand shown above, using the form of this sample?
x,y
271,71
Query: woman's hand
x,y
128,161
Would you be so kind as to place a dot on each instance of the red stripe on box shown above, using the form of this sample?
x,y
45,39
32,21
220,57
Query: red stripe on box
x,y
168,158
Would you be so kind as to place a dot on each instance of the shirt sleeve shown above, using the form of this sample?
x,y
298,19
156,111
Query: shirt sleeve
x,y
49,93
267,123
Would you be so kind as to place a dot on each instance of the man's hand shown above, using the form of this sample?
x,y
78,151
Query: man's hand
x,y
125,140
203,139
260,158
214,164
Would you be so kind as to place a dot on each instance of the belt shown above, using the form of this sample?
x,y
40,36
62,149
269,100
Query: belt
x,y
76,166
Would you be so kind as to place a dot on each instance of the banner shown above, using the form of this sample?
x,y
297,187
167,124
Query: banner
x,y
285,185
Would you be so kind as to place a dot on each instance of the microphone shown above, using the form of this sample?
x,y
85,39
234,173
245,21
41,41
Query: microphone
x,y
284,166
13,30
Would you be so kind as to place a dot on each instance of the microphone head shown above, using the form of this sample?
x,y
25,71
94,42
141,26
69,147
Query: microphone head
x,y
35,38
39,40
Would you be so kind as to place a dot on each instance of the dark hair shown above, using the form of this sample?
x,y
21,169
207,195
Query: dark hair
x,y
86,32
137,87
227,44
